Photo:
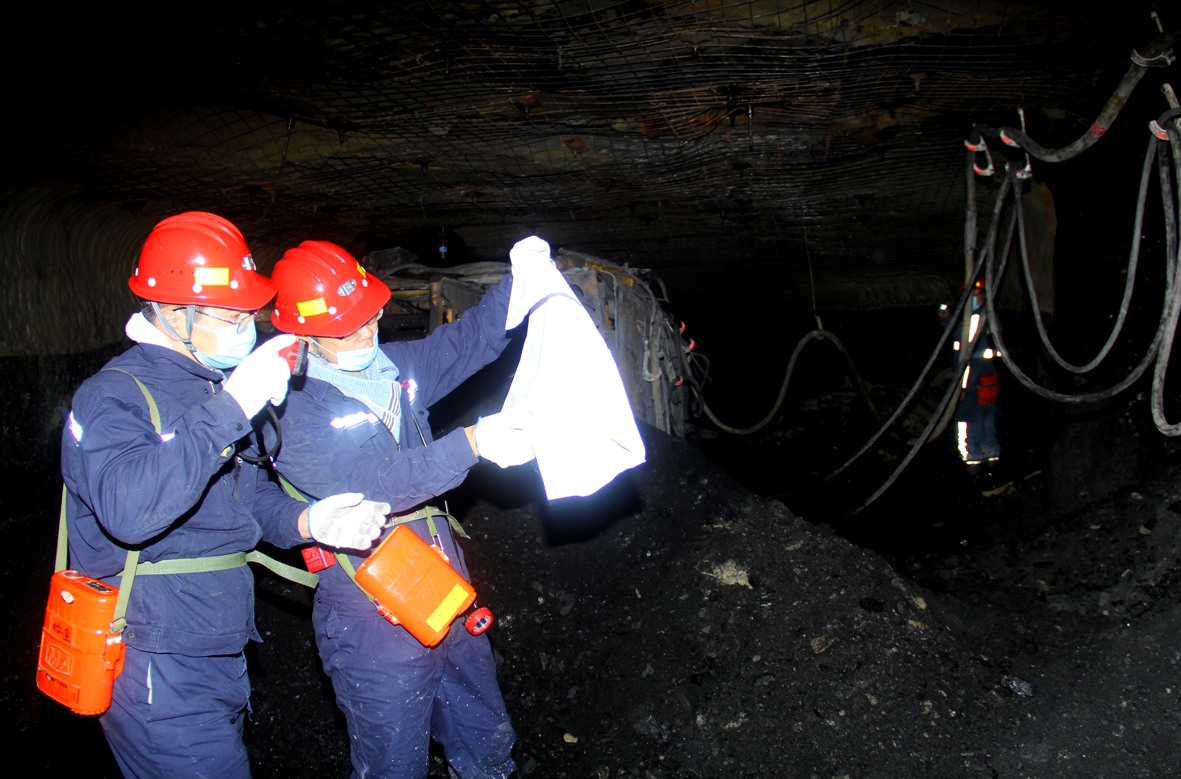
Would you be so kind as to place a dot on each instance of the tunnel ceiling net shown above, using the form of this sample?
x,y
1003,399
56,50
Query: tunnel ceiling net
x,y
717,139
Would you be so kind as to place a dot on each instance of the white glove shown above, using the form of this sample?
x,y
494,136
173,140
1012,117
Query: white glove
x,y
262,376
504,438
347,520
530,254
535,278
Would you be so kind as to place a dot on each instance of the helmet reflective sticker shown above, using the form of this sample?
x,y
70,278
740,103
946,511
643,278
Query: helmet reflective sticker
x,y
308,308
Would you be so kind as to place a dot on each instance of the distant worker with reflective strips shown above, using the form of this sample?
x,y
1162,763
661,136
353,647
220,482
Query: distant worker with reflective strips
x,y
181,488
976,412
359,422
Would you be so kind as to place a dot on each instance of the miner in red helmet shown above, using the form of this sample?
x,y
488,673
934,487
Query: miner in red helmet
x,y
156,459
359,422
976,411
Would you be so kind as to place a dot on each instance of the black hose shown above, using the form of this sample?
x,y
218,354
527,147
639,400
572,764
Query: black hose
x,y
1156,54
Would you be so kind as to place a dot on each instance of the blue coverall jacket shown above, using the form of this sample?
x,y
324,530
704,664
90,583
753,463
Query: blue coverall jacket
x,y
185,496
395,692
177,708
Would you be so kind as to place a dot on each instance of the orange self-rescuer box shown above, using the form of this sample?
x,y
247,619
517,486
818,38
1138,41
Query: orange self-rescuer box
x,y
79,657
414,586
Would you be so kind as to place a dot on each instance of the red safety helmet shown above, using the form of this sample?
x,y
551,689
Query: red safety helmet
x,y
978,285
323,291
198,258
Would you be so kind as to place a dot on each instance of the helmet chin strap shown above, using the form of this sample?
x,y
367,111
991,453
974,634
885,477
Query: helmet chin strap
x,y
320,350
190,315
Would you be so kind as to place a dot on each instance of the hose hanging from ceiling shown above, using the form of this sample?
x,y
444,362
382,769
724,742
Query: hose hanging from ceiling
x,y
1166,131
818,334
1157,54
1158,350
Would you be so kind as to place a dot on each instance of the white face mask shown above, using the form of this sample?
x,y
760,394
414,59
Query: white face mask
x,y
232,346
354,359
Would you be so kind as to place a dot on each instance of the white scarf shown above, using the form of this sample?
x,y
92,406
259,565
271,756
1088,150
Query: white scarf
x,y
376,386
140,330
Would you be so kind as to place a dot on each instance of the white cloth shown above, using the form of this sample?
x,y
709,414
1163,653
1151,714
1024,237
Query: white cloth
x,y
583,431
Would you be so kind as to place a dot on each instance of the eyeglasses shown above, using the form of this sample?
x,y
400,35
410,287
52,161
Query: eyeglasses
x,y
371,325
241,323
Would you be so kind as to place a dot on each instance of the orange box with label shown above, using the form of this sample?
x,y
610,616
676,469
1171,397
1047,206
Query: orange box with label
x,y
414,585
79,656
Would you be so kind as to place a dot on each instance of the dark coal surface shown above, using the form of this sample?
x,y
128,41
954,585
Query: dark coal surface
x,y
680,625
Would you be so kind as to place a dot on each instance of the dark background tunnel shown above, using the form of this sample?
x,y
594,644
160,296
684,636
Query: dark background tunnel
x,y
792,172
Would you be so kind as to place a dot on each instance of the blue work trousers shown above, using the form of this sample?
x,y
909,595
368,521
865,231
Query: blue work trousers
x,y
397,695
174,716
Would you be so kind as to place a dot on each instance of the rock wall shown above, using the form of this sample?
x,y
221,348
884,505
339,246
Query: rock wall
x,y
65,263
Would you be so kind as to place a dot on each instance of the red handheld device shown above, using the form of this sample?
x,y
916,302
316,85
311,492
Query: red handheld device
x,y
296,356
317,558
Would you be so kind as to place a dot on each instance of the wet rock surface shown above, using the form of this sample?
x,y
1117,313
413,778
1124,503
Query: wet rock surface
x,y
680,625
